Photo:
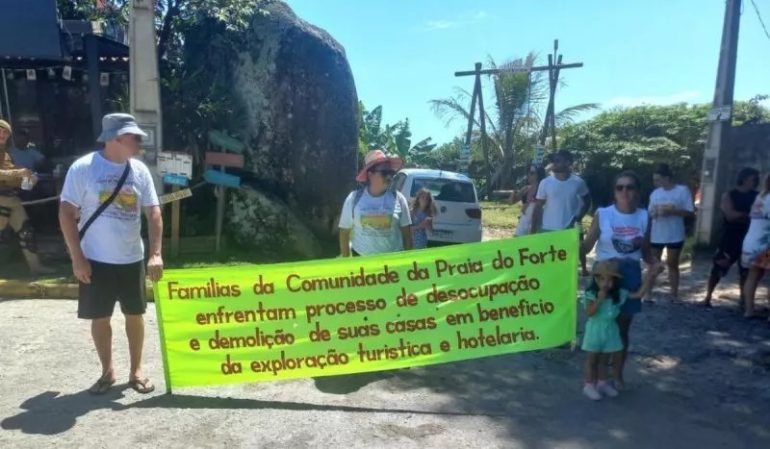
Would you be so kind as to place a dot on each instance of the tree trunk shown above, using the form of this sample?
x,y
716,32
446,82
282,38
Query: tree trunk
x,y
165,31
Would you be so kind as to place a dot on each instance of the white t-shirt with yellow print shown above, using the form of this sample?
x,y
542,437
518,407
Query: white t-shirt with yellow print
x,y
376,222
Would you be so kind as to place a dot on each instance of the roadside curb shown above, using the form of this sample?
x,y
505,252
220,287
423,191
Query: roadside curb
x,y
16,289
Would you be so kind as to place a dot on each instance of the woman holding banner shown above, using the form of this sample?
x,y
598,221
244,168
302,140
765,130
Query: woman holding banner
x,y
621,231
375,220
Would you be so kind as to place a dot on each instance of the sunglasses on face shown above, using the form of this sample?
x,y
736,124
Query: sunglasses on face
x,y
134,137
384,172
626,187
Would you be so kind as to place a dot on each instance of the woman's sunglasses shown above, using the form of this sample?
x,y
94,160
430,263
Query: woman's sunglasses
x,y
626,187
383,172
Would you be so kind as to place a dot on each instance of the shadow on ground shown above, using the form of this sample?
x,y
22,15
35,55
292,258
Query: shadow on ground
x,y
50,414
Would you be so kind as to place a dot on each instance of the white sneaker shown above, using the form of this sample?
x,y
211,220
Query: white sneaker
x,y
606,389
590,392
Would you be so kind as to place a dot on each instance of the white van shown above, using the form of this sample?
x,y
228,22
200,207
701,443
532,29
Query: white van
x,y
459,212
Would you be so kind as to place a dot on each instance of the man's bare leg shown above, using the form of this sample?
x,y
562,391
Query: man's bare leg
x,y
101,332
135,334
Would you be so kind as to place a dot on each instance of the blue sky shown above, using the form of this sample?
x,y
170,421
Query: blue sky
x,y
404,53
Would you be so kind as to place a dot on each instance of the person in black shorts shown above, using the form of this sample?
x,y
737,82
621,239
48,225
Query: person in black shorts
x,y
109,190
735,205
670,205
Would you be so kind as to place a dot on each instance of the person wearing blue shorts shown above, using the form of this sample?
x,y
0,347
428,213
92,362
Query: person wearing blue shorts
x,y
621,232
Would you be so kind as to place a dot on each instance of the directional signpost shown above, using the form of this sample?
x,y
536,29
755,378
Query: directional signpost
x,y
176,180
219,178
222,180
176,170
175,196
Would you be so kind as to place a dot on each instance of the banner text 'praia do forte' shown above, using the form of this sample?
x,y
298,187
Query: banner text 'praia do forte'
x,y
340,316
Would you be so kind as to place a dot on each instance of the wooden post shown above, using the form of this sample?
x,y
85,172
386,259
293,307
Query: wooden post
x,y
483,123
221,192
175,217
549,124
469,133
222,160
553,107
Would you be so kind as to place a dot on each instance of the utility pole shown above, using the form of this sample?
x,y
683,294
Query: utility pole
x,y
717,162
145,81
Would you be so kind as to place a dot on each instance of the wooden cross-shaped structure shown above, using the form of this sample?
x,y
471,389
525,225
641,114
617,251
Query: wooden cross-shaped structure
x,y
553,70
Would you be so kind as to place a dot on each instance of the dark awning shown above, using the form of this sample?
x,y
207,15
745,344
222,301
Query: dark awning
x,y
29,29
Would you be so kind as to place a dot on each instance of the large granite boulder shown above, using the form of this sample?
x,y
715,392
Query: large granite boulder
x,y
300,127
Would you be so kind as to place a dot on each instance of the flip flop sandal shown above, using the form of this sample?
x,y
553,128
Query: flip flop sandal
x,y
101,386
143,386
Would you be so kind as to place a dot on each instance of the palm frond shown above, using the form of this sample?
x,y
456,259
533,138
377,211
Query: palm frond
x,y
449,109
568,115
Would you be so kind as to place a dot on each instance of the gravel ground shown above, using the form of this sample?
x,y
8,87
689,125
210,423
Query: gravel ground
x,y
697,378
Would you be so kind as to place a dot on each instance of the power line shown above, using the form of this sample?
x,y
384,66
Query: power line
x,y
759,16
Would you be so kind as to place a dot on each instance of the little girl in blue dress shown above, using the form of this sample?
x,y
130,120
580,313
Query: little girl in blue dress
x,y
601,339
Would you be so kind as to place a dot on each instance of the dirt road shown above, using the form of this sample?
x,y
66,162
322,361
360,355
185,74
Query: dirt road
x,y
698,378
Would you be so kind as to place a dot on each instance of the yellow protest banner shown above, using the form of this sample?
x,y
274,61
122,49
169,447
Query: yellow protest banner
x,y
339,316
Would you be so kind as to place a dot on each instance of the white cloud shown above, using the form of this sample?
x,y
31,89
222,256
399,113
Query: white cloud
x,y
457,22
440,24
677,97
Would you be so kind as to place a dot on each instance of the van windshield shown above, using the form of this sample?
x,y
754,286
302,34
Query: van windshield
x,y
446,189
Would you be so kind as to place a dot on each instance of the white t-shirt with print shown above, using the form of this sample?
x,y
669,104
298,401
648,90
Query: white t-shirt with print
x,y
669,229
563,200
115,236
620,234
376,222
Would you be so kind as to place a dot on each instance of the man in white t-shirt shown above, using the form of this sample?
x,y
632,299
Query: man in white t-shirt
x,y
562,198
106,247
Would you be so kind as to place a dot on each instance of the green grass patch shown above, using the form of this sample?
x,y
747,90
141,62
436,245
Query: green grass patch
x,y
500,215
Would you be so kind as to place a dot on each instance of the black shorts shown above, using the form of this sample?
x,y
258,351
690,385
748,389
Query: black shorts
x,y
110,284
728,253
661,246
723,260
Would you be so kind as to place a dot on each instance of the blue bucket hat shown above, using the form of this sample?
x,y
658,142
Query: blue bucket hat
x,y
115,125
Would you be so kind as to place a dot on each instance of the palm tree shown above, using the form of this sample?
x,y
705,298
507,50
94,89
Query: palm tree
x,y
519,95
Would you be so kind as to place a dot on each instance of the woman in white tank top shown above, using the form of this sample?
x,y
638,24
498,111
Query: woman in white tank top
x,y
535,174
621,231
